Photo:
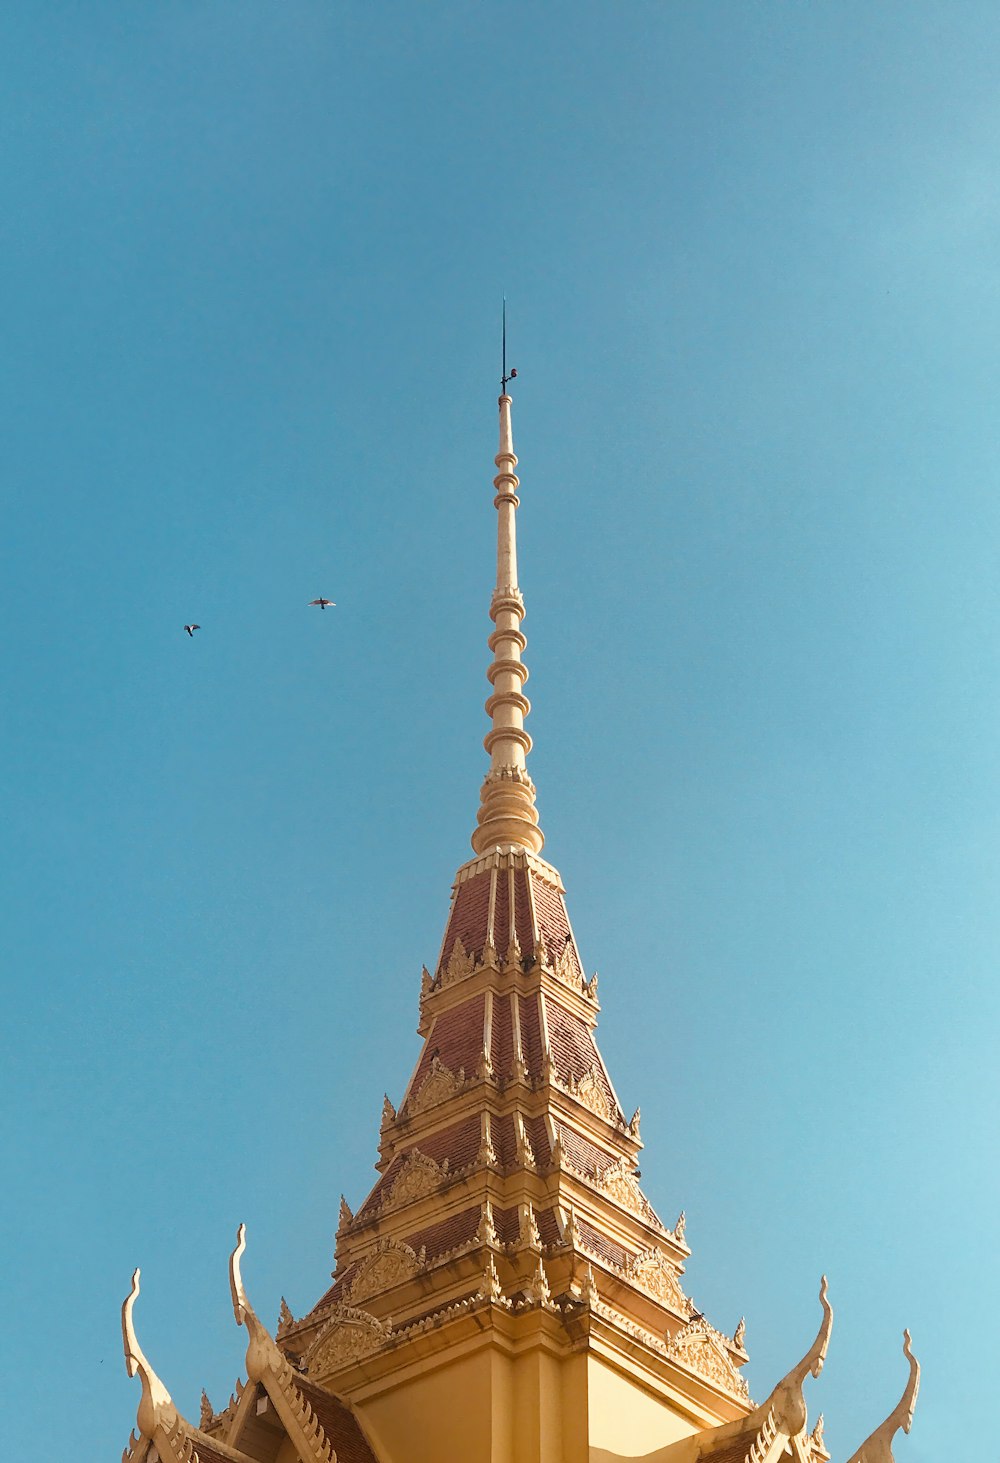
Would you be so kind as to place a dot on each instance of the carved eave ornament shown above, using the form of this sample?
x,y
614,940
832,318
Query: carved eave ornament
x,y
878,1448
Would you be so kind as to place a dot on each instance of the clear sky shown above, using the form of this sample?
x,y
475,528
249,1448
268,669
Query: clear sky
x,y
252,261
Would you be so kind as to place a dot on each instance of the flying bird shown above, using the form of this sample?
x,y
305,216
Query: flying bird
x,y
191,629
323,603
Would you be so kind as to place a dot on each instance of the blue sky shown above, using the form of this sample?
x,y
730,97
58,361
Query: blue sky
x,y
253,256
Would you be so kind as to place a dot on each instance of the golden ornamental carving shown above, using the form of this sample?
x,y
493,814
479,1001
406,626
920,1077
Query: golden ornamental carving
x,y
700,1348
391,1264
590,1091
653,1272
348,1335
437,1087
417,1176
459,965
619,1181
565,966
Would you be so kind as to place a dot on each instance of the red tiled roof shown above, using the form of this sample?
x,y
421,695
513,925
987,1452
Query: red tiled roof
x,y
501,915
531,1039
733,1450
507,1224
338,1422
504,1139
337,1289
614,1253
206,1452
456,1039
574,1049
538,1137
502,1045
548,1226
438,1239
468,919
553,921
459,1143
469,915
583,1154
522,913
371,1204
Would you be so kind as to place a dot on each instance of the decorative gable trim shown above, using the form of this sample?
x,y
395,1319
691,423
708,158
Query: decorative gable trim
x,y
418,1176
652,1272
702,1349
439,1084
348,1335
392,1263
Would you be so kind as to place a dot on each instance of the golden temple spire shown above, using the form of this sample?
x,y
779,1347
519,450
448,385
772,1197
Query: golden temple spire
x,y
507,813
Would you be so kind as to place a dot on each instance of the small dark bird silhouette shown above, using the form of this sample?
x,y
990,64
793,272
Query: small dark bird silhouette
x,y
191,629
323,603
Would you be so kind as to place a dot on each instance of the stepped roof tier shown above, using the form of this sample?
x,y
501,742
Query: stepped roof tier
x,y
505,1293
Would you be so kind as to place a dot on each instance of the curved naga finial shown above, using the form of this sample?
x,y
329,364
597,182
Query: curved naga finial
x,y
262,1351
240,1303
878,1448
786,1399
155,1405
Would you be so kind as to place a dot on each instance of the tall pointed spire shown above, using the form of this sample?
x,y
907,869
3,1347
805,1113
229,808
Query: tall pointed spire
x,y
507,812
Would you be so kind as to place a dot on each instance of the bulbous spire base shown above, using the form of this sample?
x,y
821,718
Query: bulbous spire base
x,y
507,813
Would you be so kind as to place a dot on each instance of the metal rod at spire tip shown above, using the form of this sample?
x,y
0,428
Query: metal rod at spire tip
x,y
504,377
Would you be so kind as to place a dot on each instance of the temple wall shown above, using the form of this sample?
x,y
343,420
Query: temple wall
x,y
624,1421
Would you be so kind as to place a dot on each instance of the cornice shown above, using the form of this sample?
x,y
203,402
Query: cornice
x,y
471,976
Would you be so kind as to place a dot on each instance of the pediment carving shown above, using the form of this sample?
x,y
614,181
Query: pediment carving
x,y
653,1272
348,1335
391,1264
620,1182
437,1087
701,1348
590,1091
418,1175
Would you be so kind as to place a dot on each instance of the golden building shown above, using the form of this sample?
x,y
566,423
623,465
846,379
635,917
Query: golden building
x,y
506,1293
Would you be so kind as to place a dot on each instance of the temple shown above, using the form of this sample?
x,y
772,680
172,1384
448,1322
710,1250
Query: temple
x,y
505,1293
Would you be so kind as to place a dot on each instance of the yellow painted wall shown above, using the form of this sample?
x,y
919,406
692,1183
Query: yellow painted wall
x,y
624,1421
485,1406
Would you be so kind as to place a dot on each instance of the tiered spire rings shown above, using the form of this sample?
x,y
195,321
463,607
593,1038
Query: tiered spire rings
x,y
507,814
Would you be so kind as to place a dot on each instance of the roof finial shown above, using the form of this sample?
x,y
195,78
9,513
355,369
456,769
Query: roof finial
x,y
786,1399
262,1351
507,813
155,1405
878,1448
